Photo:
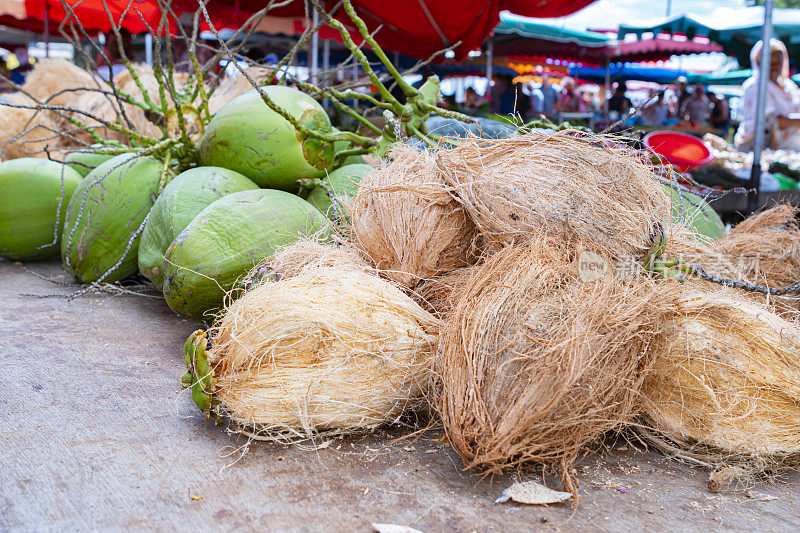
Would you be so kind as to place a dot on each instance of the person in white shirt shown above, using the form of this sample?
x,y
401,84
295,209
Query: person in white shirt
x,y
537,100
655,113
549,97
782,106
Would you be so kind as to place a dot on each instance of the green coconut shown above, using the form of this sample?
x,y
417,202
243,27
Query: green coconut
x,y
34,194
342,184
185,196
105,212
248,137
84,161
694,212
226,239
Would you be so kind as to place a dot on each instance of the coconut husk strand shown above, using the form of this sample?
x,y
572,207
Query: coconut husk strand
x,y
440,294
305,253
405,220
54,82
45,82
332,350
693,249
725,386
766,247
738,257
570,186
537,362
683,243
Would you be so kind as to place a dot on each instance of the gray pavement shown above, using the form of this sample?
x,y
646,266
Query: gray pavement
x,y
98,436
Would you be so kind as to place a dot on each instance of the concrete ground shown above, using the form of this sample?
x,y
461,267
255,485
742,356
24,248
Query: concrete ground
x,y
97,435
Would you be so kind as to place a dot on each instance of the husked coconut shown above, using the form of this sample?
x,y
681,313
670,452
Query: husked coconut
x,y
331,349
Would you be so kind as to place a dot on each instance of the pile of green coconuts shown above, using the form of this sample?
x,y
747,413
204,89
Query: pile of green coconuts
x,y
192,233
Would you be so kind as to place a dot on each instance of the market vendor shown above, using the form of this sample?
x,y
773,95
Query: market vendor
x,y
782,105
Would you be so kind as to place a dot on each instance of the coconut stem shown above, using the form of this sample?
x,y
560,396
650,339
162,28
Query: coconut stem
x,y
162,182
335,99
199,376
407,89
149,105
344,154
752,287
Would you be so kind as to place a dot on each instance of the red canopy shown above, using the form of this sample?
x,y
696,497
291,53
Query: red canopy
x,y
416,28
657,49
632,52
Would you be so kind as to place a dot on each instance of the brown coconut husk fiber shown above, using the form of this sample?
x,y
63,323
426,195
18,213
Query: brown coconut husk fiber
x,y
766,248
49,81
328,350
535,364
109,109
26,132
39,128
58,82
233,86
291,260
405,220
725,387
574,187
440,294
50,76
694,249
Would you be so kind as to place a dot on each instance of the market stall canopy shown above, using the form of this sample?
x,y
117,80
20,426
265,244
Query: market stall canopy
x,y
734,77
415,27
621,73
522,37
659,48
737,30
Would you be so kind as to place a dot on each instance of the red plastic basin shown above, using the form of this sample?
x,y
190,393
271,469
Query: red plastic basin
x,y
680,149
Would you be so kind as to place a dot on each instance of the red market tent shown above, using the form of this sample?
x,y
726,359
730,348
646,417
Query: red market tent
x,y
414,27
659,48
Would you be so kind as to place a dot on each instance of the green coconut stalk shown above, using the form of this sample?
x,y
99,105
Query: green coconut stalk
x,y
199,376
182,115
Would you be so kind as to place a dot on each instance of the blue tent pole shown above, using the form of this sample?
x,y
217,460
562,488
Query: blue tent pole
x,y
761,106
